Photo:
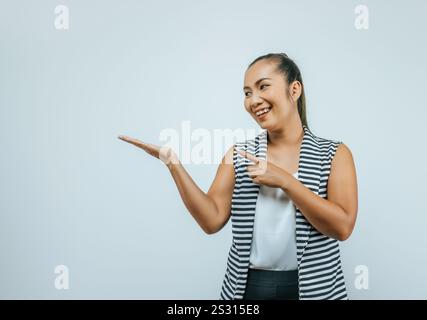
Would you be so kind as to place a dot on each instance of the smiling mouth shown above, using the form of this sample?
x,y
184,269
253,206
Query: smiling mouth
x,y
262,112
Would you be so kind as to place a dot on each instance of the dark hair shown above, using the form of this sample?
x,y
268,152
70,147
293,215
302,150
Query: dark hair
x,y
291,72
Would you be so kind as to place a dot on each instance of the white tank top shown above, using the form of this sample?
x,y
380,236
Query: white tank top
x,y
273,240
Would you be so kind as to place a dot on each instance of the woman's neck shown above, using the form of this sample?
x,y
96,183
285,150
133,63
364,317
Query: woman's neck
x,y
290,134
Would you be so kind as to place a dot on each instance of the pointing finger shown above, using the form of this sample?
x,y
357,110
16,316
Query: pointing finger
x,y
248,155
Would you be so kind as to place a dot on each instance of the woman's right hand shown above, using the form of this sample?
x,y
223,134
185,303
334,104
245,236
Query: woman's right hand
x,y
166,154
211,210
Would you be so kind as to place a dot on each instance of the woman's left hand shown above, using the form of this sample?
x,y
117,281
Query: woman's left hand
x,y
266,173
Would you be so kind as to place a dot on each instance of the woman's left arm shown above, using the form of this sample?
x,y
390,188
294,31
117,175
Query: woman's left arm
x,y
334,216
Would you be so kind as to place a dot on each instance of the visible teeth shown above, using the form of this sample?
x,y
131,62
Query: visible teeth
x,y
262,111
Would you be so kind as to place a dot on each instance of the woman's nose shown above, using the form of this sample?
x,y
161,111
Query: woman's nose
x,y
255,101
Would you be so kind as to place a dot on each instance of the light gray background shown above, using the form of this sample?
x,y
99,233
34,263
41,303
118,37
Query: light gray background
x,y
74,194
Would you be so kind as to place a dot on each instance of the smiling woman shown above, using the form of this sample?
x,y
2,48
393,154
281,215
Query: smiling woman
x,y
291,195
273,83
286,228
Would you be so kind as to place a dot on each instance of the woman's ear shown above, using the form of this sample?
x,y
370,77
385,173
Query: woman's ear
x,y
295,90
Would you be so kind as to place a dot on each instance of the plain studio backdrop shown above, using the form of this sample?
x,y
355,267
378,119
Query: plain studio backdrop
x,y
74,195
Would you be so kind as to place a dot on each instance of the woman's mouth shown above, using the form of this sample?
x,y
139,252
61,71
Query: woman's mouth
x,y
261,114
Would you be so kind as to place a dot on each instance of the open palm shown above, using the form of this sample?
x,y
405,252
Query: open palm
x,y
165,154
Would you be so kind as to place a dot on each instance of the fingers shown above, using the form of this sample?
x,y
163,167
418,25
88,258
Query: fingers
x,y
249,156
149,148
251,168
260,167
135,142
256,170
255,173
131,140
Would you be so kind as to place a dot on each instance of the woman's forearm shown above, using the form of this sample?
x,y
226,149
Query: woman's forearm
x,y
198,203
327,217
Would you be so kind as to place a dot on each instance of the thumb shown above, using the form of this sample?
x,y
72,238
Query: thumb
x,y
167,155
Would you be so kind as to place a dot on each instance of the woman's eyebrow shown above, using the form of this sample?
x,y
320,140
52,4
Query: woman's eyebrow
x,y
258,81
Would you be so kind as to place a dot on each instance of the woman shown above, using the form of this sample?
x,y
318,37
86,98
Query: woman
x,y
291,195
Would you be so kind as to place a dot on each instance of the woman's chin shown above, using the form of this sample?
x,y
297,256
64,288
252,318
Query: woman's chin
x,y
265,124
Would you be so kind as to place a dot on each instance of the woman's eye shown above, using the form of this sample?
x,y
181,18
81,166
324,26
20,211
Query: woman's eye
x,y
261,86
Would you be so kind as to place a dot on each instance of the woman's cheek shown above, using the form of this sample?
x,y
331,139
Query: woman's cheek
x,y
247,108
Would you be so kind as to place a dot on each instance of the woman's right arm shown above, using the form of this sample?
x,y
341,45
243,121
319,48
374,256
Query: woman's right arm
x,y
211,210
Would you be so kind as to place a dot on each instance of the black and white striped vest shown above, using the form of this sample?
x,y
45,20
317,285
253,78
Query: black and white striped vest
x,y
320,273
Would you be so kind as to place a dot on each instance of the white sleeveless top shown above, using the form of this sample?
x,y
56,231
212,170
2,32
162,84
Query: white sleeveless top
x,y
274,240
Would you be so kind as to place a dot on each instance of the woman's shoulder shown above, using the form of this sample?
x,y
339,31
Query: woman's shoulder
x,y
330,146
334,148
323,141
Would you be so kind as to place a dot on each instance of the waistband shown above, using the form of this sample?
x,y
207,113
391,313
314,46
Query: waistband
x,y
273,275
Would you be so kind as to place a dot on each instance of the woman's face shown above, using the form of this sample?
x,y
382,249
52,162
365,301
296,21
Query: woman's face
x,y
266,97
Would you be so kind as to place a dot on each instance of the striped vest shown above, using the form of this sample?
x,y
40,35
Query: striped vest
x,y
320,274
